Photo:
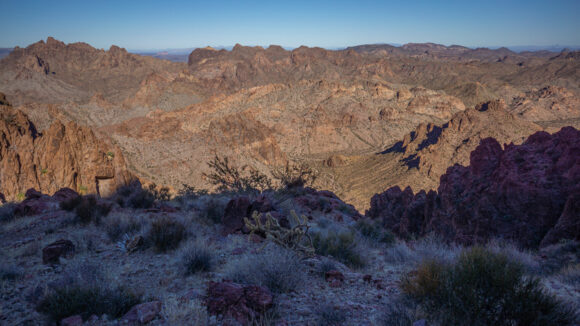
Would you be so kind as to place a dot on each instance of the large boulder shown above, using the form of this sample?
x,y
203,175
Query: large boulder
x,y
526,193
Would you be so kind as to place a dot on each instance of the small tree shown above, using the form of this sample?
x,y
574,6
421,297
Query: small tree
x,y
230,178
295,175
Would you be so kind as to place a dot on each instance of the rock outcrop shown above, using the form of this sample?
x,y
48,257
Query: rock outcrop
x,y
526,193
61,156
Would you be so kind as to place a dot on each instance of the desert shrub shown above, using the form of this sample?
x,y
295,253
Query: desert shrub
x,y
434,248
483,288
400,253
375,231
134,196
329,315
570,275
70,204
118,225
86,301
227,177
7,212
213,210
10,273
295,175
177,311
515,254
90,210
159,193
197,257
84,290
339,244
398,312
166,234
278,269
325,266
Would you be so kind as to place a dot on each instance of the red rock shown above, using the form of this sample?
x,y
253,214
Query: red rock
x,y
524,193
64,194
242,303
57,249
75,320
143,313
64,155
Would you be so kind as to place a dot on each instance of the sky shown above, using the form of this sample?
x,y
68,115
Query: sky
x,y
154,25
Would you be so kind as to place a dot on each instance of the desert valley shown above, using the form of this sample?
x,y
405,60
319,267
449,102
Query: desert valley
x,y
264,186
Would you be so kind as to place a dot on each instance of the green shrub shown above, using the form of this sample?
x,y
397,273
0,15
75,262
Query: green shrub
x,y
276,268
374,231
197,258
166,234
86,301
483,288
341,245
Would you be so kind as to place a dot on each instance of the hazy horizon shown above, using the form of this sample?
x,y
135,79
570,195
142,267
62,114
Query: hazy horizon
x,y
148,25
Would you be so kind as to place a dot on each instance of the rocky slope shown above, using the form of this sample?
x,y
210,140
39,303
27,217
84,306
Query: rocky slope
x,y
60,156
423,155
525,193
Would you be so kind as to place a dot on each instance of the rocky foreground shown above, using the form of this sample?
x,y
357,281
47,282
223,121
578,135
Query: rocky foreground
x,y
298,256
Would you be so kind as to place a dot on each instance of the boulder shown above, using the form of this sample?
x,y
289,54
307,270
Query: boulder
x,y
60,248
64,194
240,302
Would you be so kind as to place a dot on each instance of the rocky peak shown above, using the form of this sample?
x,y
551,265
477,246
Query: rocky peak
x,y
61,156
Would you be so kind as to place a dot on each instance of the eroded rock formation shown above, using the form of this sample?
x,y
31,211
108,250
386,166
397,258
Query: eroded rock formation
x,y
526,193
64,155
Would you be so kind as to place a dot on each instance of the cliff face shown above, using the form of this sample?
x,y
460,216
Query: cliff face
x,y
526,193
61,156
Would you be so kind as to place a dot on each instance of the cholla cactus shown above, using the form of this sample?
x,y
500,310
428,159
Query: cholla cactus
x,y
295,238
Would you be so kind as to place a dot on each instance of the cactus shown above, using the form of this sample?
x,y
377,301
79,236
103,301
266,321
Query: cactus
x,y
295,238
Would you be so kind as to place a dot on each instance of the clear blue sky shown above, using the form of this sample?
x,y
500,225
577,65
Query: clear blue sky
x,y
144,24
